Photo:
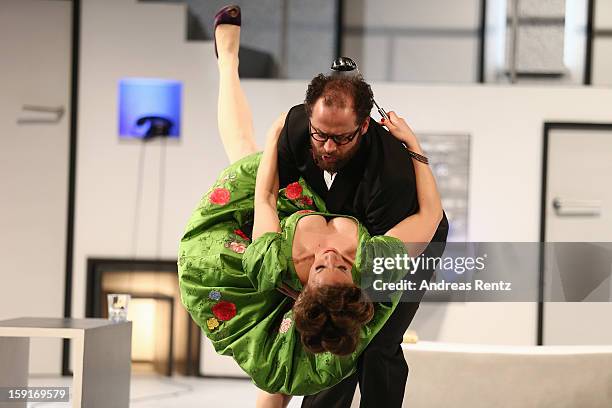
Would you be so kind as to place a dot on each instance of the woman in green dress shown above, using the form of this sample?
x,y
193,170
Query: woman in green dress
x,y
286,302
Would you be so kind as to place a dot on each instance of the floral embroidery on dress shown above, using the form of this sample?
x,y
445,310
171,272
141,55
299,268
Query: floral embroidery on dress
x,y
285,325
305,200
293,191
237,242
214,295
212,323
228,177
224,310
237,247
241,234
220,196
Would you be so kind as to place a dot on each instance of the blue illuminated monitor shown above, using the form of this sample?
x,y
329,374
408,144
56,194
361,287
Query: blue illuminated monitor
x,y
149,107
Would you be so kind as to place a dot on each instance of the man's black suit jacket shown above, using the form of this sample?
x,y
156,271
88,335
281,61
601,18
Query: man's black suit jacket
x,y
377,186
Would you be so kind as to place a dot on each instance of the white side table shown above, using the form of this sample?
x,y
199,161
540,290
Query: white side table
x,y
101,375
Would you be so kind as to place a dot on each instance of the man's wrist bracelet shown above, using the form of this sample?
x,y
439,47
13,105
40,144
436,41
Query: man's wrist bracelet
x,y
418,157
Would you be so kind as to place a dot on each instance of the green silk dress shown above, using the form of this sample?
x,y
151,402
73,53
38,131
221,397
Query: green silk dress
x,y
229,284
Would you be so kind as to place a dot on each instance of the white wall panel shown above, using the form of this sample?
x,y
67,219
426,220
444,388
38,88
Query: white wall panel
x,y
602,61
603,15
34,70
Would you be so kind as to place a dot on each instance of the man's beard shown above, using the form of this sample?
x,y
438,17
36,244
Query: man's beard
x,y
341,160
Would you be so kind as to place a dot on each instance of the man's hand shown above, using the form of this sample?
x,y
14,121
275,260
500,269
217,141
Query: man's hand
x,y
400,129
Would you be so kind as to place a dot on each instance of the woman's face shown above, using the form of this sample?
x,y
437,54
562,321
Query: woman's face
x,y
330,268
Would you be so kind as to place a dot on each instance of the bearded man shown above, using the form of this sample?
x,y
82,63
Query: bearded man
x,y
359,169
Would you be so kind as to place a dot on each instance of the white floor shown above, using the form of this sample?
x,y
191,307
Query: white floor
x,y
153,391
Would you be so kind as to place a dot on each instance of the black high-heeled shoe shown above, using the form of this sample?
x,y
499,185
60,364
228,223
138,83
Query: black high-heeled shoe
x,y
226,15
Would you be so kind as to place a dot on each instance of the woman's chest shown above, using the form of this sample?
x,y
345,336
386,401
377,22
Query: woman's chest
x,y
315,231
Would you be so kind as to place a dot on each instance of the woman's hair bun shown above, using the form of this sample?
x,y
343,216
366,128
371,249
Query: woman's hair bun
x,y
330,317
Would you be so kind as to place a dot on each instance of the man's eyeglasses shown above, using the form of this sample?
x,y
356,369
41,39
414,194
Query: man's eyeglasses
x,y
338,139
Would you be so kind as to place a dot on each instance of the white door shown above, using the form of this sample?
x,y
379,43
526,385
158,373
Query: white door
x,y
579,209
35,61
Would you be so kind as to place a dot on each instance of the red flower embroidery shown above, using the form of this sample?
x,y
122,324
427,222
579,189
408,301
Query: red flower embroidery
x,y
241,234
224,310
306,200
220,196
293,191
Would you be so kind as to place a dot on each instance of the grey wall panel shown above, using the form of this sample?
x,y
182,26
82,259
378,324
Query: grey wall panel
x,y
310,37
304,63
300,35
539,40
413,13
540,48
371,53
435,59
542,8
414,40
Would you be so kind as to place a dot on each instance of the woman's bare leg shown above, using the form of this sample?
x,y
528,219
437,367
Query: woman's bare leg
x,y
267,400
234,116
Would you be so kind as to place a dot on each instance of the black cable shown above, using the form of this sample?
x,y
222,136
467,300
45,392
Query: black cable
x,y
161,193
139,184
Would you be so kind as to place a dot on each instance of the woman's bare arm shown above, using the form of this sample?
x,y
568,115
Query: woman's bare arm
x,y
266,186
417,229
